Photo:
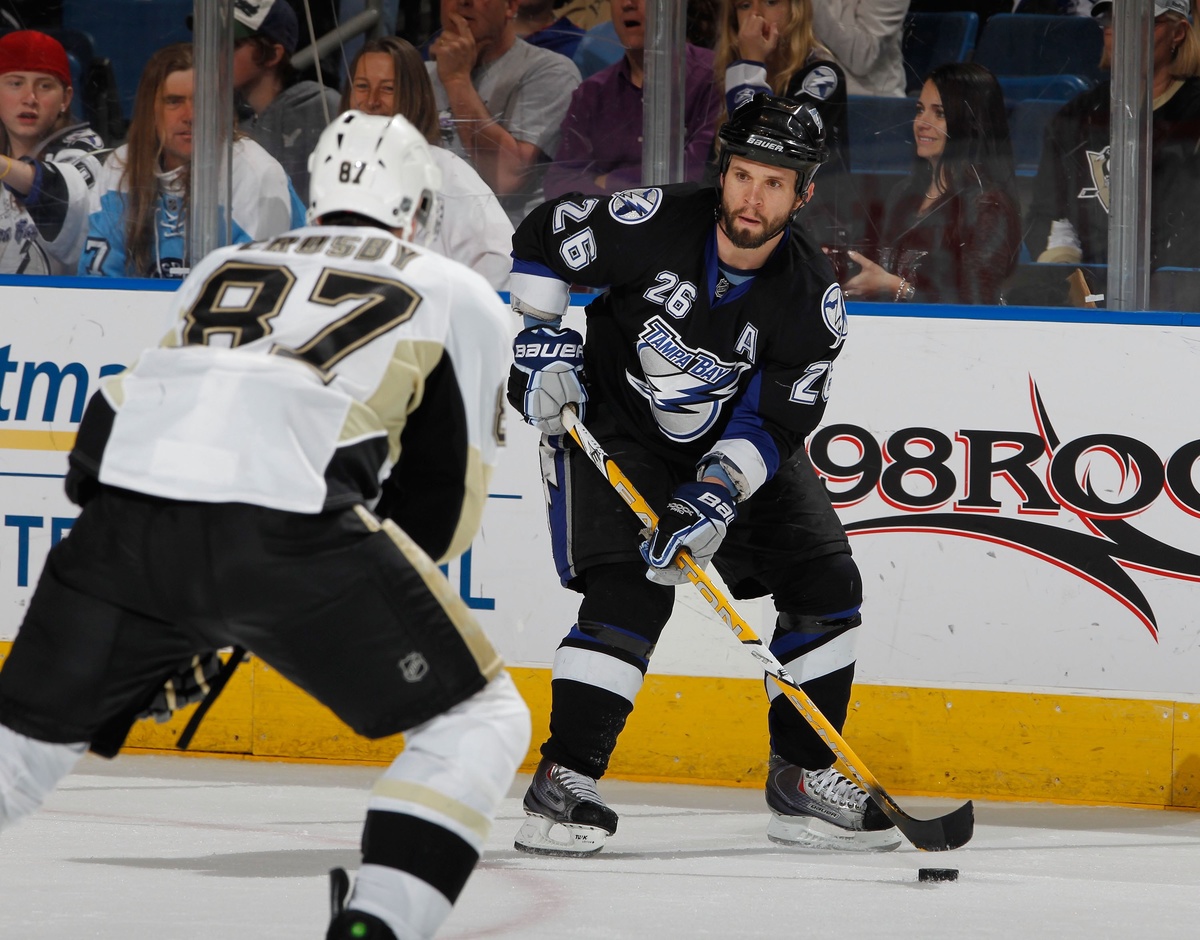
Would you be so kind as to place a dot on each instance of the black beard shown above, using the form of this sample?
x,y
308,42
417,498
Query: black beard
x,y
742,239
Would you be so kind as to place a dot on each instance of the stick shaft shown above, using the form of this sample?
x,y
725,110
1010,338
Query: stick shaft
x,y
913,829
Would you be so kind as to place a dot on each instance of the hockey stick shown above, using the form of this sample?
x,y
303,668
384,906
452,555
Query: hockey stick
x,y
932,835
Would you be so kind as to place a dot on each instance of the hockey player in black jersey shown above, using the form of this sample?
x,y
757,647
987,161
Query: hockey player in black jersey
x,y
706,365
225,480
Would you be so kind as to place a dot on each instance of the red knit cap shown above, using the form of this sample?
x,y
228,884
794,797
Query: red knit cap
x,y
31,51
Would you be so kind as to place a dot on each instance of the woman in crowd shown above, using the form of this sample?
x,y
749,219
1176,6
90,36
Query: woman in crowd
x,y
47,159
138,226
951,231
768,45
388,77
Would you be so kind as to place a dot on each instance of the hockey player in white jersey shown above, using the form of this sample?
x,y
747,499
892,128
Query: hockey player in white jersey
x,y
227,480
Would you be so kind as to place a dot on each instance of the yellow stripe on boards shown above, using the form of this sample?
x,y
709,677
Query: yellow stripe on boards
x,y
37,440
951,743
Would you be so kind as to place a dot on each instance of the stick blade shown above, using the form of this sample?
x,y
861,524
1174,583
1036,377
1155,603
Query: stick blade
x,y
937,835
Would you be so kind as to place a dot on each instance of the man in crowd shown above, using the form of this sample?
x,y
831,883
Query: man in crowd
x,y
500,100
286,115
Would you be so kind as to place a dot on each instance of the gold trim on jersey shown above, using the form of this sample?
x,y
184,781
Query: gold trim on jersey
x,y
409,792
360,422
475,493
486,658
402,387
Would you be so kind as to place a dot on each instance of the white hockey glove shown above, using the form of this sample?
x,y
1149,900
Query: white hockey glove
x,y
189,684
696,518
547,374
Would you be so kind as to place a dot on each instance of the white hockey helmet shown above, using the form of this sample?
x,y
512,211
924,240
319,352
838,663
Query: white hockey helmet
x,y
375,166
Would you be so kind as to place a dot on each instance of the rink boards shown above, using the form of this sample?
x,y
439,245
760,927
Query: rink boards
x,y
1022,494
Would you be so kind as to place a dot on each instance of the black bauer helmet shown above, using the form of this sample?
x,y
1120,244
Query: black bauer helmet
x,y
778,131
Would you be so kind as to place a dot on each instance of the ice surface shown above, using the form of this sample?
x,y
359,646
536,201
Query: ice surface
x,y
186,848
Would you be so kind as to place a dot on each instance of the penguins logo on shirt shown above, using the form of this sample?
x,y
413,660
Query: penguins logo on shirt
x,y
833,311
1098,165
685,387
820,83
632,206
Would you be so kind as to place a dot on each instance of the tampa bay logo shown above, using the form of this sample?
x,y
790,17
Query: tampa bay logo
x,y
911,471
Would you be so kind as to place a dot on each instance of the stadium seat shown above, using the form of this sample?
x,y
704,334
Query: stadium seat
x,y
1175,289
128,32
1027,126
598,49
1055,87
880,131
1041,44
932,39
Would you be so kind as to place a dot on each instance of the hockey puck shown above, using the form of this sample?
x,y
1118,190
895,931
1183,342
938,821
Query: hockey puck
x,y
937,874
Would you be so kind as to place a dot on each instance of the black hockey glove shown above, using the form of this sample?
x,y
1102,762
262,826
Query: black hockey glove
x,y
546,375
189,684
696,518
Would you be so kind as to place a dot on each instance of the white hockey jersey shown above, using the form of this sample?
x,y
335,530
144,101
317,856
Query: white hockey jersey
x,y
43,232
308,372
472,226
263,200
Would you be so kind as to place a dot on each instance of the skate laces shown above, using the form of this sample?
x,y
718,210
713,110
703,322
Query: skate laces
x,y
578,785
833,787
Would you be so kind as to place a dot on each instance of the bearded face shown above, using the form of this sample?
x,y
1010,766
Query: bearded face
x,y
756,202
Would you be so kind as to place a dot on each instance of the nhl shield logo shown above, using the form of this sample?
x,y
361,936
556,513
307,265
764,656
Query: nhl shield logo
x,y
632,206
413,667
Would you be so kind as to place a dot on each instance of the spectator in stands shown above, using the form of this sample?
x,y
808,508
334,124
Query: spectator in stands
x,y
601,147
47,159
138,224
536,24
1069,211
286,116
951,231
769,45
389,77
500,100
864,36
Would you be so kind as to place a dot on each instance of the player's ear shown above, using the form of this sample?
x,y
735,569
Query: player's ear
x,y
803,199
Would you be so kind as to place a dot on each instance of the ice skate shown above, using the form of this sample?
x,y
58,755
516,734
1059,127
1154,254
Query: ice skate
x,y
565,815
822,811
351,924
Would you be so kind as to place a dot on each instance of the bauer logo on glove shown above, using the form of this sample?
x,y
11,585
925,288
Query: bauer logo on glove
x,y
547,375
696,519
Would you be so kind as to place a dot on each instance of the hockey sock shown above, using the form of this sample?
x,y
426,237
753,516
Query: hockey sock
x,y
29,771
820,653
430,812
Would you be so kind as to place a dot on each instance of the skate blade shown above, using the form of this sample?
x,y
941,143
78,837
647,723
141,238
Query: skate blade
x,y
537,836
809,834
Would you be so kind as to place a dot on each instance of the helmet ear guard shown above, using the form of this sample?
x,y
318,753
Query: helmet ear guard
x,y
776,131
378,167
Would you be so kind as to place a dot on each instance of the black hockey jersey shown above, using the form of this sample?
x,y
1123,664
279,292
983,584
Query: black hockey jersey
x,y
1072,183
688,363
